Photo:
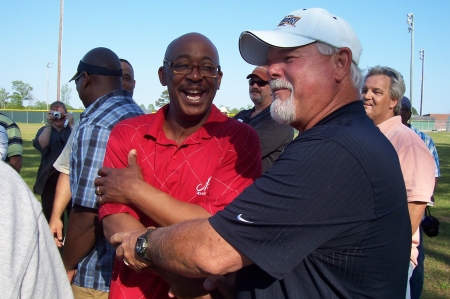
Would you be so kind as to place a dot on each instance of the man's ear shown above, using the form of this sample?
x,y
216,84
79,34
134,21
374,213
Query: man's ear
x,y
87,80
219,79
342,63
393,103
162,76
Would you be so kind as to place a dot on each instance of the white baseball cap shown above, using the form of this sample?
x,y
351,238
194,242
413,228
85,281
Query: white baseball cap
x,y
299,28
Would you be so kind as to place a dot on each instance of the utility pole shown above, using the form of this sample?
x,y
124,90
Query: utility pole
x,y
422,57
410,22
49,65
61,18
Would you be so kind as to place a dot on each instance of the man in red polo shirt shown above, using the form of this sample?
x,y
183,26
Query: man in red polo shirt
x,y
191,160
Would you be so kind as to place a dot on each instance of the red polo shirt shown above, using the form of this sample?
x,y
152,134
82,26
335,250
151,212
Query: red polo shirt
x,y
210,168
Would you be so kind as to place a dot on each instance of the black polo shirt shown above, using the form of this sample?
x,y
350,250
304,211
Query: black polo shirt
x,y
273,136
328,220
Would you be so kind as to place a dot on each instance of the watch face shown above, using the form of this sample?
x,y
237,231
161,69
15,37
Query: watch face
x,y
141,245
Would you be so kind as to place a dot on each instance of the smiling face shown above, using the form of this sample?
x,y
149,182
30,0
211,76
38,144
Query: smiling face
x,y
191,95
378,103
307,83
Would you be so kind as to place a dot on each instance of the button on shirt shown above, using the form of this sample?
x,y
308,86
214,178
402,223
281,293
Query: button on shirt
x,y
88,152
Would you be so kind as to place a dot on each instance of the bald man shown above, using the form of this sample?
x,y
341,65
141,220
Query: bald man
x,y
87,256
190,160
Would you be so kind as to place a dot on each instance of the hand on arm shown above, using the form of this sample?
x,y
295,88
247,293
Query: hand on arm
x,y
69,117
127,186
62,199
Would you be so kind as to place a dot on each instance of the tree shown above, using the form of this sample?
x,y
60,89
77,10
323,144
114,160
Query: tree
x,y
151,108
414,111
142,107
40,105
163,99
22,92
4,96
234,111
66,92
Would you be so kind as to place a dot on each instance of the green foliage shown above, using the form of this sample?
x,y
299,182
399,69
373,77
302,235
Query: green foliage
x,y
151,108
142,107
22,92
163,99
4,96
66,94
414,111
234,110
39,105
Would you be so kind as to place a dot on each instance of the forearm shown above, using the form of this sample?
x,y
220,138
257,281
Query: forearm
x,y
163,208
44,137
81,235
16,162
119,223
62,195
416,210
193,249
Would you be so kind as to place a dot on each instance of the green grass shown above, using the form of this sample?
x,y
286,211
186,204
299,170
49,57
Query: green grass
x,y
437,249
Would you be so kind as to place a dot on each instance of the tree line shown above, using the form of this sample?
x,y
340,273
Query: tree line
x,y
22,97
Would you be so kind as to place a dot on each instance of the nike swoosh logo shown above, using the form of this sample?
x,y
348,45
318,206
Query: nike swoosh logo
x,y
239,217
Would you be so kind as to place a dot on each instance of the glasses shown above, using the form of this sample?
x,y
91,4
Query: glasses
x,y
78,77
260,83
206,70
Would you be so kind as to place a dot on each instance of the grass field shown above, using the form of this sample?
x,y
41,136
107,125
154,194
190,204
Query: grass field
x,y
437,249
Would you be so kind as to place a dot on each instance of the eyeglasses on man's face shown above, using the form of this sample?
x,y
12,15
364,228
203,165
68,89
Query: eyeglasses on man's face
x,y
78,77
260,83
183,68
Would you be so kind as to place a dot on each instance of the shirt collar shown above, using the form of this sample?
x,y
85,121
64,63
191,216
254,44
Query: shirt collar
x,y
213,124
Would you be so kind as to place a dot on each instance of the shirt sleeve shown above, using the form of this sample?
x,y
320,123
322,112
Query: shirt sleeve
x,y
116,156
418,170
62,163
241,166
90,154
3,143
36,143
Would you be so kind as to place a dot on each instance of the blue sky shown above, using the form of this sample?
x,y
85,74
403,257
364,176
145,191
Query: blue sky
x,y
141,30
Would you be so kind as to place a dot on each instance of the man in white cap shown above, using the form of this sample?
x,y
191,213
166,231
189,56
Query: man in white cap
x,y
330,218
273,136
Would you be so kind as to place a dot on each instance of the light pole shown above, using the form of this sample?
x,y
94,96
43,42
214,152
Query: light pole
x,y
61,19
49,65
410,22
422,57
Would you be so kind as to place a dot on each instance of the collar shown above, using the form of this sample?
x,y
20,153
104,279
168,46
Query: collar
x,y
209,129
101,100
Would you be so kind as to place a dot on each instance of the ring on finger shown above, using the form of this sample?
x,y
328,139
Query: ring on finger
x,y
97,191
100,199
126,262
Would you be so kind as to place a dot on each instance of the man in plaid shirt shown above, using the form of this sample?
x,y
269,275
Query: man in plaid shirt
x,y
87,256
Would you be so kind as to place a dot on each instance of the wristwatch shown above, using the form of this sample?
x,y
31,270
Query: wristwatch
x,y
142,244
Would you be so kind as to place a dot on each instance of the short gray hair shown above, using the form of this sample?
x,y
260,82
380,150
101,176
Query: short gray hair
x,y
356,73
397,86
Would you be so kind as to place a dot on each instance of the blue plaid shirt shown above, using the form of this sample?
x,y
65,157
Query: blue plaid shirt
x,y
431,147
88,152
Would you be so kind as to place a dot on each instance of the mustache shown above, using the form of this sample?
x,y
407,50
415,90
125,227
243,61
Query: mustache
x,y
280,84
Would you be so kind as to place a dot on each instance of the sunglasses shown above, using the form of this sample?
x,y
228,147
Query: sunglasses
x,y
260,83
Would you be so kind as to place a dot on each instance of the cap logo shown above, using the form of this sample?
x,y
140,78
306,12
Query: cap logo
x,y
289,20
